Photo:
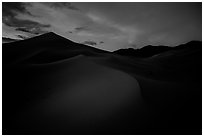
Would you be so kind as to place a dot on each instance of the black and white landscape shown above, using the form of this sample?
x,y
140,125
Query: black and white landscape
x,y
54,84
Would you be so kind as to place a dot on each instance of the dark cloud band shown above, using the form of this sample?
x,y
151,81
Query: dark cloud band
x,y
58,5
11,9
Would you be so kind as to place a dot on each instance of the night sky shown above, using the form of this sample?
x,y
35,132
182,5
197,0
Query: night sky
x,y
109,26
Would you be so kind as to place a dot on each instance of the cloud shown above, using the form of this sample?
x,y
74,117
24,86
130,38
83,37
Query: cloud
x,y
89,43
7,40
15,22
10,32
78,29
97,26
33,30
12,8
22,37
116,29
59,5
117,24
150,23
10,13
61,19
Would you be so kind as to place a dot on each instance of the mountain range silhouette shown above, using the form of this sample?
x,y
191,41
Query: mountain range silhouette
x,y
149,50
60,43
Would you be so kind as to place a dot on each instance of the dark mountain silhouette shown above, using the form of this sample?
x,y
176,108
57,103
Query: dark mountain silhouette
x,y
45,48
51,85
149,50
54,41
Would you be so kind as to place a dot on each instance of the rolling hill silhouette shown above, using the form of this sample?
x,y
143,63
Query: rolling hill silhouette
x,y
149,50
51,85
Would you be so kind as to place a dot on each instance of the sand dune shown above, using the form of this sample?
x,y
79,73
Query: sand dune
x,y
78,94
83,90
